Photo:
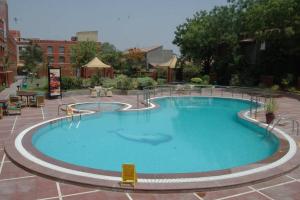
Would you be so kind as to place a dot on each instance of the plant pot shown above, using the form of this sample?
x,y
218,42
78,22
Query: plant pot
x,y
269,118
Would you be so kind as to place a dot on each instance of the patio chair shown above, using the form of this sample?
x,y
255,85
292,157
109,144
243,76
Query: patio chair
x,y
14,108
93,92
18,100
102,92
39,101
108,92
179,89
129,174
14,99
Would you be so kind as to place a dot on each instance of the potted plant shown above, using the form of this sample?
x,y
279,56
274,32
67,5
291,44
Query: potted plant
x,y
270,108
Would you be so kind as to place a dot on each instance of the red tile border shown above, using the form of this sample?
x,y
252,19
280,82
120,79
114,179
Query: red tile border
x,y
154,187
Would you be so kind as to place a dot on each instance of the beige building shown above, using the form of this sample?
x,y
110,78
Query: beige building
x,y
87,36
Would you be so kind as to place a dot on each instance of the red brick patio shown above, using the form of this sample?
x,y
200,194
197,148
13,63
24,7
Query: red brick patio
x,y
16,183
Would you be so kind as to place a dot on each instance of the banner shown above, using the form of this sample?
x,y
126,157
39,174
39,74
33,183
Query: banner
x,y
54,80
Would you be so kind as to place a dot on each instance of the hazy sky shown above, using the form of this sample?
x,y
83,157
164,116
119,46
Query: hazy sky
x,y
124,23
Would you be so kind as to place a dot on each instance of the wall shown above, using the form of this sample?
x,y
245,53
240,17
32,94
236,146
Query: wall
x,y
159,55
87,36
66,66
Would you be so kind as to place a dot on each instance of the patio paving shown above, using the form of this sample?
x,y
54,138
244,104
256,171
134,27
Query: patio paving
x,y
18,184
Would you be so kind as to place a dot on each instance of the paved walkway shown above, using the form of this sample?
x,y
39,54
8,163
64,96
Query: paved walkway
x,y
12,89
18,184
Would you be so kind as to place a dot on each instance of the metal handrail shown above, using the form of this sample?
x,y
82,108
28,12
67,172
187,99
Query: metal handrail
x,y
287,119
254,93
60,105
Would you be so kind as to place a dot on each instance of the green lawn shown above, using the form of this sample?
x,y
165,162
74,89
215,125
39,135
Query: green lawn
x,y
37,84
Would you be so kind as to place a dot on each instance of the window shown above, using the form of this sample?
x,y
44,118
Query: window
x,y
50,50
50,59
61,50
61,59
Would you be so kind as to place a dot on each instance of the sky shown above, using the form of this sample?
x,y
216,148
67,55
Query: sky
x,y
124,23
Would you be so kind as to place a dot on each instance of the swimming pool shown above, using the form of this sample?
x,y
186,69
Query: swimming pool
x,y
183,135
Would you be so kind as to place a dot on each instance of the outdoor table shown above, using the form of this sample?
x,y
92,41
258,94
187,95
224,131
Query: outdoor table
x,y
27,95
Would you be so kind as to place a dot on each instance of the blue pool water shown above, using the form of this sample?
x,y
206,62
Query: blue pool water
x,y
183,135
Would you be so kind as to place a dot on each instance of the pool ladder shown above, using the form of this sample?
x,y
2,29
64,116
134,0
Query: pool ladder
x,y
295,124
72,116
60,105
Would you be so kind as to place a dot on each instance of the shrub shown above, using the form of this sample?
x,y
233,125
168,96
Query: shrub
x,y
134,83
68,83
287,80
235,80
123,82
205,80
292,89
146,82
161,81
108,83
196,80
275,88
86,83
96,80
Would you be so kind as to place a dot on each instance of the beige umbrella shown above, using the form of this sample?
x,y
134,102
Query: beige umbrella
x,y
96,63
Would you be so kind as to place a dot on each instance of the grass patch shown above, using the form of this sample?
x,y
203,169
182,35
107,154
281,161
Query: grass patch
x,y
40,84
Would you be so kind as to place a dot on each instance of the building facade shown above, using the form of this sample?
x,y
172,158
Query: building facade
x,y
8,48
156,57
56,53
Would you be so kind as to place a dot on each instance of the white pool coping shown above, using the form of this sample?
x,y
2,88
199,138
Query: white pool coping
x,y
292,151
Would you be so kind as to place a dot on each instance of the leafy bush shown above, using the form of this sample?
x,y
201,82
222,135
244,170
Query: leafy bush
x,y
134,83
292,89
96,80
86,83
287,80
123,82
205,80
161,81
146,82
68,83
108,83
275,88
196,80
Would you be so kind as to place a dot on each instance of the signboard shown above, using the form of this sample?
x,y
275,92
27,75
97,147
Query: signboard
x,y
54,82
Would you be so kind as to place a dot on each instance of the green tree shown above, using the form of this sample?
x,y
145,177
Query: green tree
x,y
209,38
33,57
110,55
213,38
82,53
